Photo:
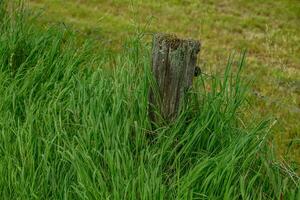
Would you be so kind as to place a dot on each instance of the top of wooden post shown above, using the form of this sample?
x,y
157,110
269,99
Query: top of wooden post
x,y
174,42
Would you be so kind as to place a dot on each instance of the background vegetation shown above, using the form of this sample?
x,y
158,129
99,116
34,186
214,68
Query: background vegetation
x,y
268,29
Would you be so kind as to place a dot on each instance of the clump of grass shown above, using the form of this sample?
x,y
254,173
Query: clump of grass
x,y
74,125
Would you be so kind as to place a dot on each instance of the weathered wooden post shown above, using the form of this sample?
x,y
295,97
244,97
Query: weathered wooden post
x,y
173,66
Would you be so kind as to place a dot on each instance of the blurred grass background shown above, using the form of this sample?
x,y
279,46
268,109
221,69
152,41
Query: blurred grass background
x,y
268,29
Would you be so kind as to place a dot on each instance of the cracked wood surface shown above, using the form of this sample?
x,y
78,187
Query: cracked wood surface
x,y
173,67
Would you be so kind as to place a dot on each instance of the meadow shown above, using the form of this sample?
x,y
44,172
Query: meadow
x,y
74,123
269,30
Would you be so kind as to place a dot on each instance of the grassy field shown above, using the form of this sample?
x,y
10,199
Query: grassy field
x,y
268,29
74,123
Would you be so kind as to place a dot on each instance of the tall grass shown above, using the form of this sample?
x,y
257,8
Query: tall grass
x,y
74,125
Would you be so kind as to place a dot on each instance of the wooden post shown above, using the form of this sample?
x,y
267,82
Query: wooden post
x,y
173,67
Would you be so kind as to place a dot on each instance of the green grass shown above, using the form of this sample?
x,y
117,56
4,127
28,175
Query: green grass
x,y
268,29
74,125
